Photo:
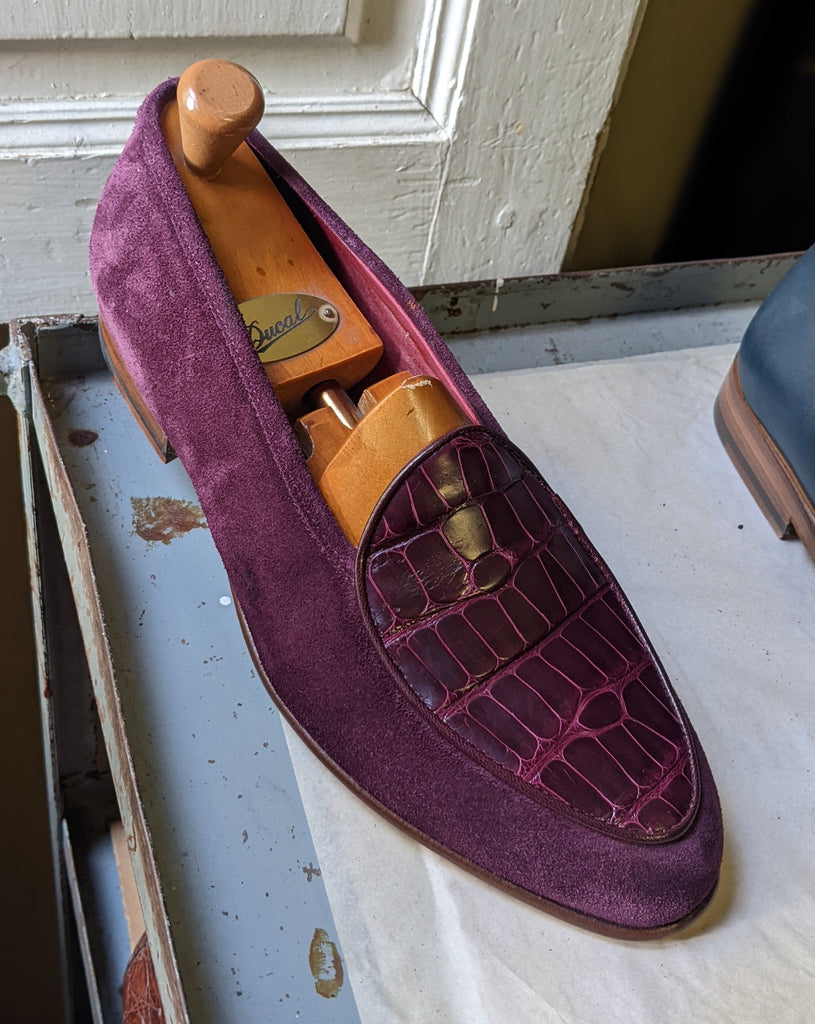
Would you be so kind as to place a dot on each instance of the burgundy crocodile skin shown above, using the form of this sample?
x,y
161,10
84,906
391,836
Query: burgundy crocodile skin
x,y
512,632
140,999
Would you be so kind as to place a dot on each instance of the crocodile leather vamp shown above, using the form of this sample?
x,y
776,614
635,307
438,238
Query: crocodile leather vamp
x,y
508,627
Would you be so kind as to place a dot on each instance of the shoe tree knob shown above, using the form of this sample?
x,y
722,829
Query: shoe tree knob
x,y
219,103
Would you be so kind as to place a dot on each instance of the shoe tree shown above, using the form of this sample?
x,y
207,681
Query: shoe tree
x,y
285,290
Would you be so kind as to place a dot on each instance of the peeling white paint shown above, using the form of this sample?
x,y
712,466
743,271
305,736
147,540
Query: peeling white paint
x,y
499,284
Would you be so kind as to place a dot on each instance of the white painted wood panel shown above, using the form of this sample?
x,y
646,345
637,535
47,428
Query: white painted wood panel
x,y
160,19
456,136
48,206
536,91
376,53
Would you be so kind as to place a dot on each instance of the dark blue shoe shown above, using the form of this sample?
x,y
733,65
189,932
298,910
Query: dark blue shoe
x,y
765,411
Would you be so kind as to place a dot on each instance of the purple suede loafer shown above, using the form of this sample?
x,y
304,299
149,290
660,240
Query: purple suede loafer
x,y
472,669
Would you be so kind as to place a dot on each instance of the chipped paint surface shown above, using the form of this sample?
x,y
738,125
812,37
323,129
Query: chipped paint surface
x,y
162,520
82,438
310,872
326,965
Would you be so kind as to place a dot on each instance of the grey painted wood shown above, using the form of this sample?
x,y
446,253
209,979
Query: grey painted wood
x,y
240,879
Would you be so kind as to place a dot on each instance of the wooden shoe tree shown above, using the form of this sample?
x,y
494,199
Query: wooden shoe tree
x,y
312,339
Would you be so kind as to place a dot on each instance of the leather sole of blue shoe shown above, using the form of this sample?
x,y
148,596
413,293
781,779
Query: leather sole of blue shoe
x,y
763,468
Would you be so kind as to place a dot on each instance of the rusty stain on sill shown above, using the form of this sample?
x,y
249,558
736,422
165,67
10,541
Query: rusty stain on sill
x,y
162,520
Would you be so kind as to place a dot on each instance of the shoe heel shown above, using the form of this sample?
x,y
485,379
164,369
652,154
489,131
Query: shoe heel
x,y
761,465
124,382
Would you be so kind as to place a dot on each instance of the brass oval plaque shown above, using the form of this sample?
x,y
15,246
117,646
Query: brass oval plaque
x,y
285,325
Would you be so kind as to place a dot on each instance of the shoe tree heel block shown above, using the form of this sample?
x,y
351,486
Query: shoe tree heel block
x,y
761,465
353,462
280,281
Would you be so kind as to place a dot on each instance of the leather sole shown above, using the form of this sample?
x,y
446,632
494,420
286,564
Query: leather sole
x,y
124,382
767,474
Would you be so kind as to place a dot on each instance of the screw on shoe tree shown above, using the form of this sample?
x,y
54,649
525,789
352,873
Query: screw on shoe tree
x,y
353,452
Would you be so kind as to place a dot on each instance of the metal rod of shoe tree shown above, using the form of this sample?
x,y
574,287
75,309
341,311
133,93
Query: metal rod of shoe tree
x,y
331,396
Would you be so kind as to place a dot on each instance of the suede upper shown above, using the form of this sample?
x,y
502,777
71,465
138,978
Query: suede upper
x,y
165,303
